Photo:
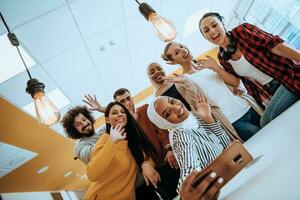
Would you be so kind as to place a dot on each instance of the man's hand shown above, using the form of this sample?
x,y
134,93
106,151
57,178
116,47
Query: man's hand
x,y
170,158
208,189
93,103
150,174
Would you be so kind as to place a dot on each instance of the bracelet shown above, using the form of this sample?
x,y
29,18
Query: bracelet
x,y
169,148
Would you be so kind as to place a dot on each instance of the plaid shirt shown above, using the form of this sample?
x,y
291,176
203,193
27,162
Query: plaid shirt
x,y
256,45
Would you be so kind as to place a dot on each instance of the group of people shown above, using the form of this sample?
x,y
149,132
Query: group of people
x,y
157,150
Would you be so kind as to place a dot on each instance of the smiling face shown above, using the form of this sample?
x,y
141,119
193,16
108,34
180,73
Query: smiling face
x,y
171,109
116,115
83,125
213,30
156,73
127,101
179,54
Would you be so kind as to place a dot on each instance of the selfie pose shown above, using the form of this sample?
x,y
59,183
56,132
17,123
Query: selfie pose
x,y
196,138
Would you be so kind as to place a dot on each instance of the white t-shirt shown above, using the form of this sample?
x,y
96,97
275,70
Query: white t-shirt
x,y
232,106
243,68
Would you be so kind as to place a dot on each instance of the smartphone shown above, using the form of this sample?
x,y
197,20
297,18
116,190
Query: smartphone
x,y
230,162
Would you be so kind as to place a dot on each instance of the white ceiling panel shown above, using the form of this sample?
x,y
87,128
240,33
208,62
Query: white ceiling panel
x,y
14,88
196,5
108,45
110,70
95,16
87,83
131,7
50,34
70,64
30,9
123,81
12,157
138,30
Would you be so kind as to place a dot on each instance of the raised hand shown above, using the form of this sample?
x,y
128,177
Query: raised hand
x,y
209,62
117,133
93,104
202,109
178,78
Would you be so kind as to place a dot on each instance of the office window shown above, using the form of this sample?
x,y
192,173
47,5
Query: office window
x,y
277,17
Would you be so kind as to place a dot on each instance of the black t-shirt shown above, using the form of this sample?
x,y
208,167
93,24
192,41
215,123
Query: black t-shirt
x,y
173,92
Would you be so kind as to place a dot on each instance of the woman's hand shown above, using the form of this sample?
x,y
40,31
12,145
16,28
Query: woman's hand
x,y
150,174
210,63
93,103
202,109
117,133
208,188
178,78
239,91
170,158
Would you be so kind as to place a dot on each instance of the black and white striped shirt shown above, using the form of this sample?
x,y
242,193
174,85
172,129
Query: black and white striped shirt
x,y
195,148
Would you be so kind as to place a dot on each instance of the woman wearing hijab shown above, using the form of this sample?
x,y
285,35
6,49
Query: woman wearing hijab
x,y
185,91
196,138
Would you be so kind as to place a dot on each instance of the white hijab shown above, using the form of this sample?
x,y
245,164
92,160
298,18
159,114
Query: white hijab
x,y
162,123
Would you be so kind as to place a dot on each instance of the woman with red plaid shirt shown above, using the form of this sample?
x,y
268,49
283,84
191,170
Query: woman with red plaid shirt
x,y
269,69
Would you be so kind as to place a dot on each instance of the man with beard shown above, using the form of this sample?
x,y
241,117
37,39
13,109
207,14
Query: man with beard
x,y
78,123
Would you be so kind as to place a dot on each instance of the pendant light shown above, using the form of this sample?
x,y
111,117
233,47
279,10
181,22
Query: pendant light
x,y
163,28
46,111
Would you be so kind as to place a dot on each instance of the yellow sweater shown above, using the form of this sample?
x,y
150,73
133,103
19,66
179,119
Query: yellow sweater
x,y
112,170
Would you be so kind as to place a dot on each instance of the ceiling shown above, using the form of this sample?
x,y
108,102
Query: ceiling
x,y
92,47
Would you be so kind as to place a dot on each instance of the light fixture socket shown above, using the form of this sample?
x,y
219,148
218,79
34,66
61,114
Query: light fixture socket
x,y
146,10
34,86
13,39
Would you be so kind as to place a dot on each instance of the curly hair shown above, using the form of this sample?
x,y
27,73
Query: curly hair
x,y
68,121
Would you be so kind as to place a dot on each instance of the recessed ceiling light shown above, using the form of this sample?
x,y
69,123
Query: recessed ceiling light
x,y
68,174
43,170
10,62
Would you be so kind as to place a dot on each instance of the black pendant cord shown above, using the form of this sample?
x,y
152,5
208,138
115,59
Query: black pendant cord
x,y
138,2
24,62
11,37
2,18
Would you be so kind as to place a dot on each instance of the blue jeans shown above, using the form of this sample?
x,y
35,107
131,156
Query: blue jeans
x,y
281,100
247,125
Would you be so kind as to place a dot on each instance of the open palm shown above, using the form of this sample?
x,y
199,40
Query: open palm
x,y
202,109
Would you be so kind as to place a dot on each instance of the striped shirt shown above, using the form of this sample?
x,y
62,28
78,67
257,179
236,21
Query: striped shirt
x,y
195,148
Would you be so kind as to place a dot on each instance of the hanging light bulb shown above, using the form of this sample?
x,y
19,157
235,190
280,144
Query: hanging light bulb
x,y
46,111
165,30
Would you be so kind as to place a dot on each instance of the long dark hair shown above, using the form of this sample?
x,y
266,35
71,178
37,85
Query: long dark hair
x,y
138,142
211,14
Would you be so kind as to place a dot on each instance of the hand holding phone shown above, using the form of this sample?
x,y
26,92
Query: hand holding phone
x,y
230,162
